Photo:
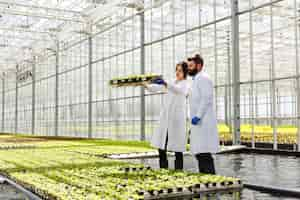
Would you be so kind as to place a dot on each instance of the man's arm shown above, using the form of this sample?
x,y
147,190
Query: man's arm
x,y
205,87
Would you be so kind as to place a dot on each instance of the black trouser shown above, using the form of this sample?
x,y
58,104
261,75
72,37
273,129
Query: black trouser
x,y
163,160
206,163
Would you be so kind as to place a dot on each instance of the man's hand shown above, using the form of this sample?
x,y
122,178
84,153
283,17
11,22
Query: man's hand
x,y
195,120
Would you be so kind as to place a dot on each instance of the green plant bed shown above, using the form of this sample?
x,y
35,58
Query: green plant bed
x,y
62,169
19,141
108,181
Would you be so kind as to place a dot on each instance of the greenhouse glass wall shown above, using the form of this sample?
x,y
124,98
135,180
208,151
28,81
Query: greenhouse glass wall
x,y
250,49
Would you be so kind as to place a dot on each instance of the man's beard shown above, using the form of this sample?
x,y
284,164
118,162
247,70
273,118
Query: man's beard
x,y
193,72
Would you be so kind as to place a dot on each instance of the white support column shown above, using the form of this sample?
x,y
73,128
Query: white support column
x,y
33,84
273,84
143,103
90,85
236,70
251,75
56,115
16,100
215,56
297,25
3,104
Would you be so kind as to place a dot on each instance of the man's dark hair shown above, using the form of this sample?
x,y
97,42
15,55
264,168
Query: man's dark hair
x,y
184,67
197,59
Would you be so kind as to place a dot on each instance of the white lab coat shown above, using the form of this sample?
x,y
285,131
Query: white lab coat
x,y
172,117
204,136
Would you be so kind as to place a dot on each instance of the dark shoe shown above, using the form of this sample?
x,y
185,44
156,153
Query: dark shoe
x,y
163,160
206,163
178,161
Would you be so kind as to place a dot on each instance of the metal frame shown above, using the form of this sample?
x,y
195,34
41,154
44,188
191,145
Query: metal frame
x,y
251,75
33,106
143,103
90,85
233,77
273,83
16,99
236,71
3,104
56,115
297,25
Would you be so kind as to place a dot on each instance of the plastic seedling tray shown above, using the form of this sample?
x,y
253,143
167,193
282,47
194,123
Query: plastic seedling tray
x,y
135,169
133,80
193,190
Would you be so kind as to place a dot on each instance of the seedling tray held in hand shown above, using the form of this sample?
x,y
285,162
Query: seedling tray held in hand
x,y
133,80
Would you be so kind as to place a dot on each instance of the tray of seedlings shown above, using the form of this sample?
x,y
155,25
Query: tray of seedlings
x,y
133,155
16,146
194,190
133,80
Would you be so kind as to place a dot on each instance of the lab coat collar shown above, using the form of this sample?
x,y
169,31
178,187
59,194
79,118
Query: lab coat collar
x,y
198,74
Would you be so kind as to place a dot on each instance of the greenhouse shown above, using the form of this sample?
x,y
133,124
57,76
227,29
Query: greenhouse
x,y
149,99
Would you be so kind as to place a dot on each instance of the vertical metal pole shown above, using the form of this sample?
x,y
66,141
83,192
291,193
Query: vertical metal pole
x,y
298,73
228,87
215,55
251,75
16,100
236,70
273,86
256,106
200,23
278,105
33,84
185,28
3,103
56,88
104,115
226,106
143,106
90,85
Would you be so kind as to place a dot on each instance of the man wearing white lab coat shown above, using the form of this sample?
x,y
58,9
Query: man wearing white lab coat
x,y
204,139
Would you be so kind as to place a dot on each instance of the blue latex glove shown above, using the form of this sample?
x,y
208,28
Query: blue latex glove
x,y
159,81
195,120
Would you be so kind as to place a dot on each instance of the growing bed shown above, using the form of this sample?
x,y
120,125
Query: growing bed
x,y
56,168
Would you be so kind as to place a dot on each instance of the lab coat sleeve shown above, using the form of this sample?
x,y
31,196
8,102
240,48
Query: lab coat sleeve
x,y
155,88
178,89
205,87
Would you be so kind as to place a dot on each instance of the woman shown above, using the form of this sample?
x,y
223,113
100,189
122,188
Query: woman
x,y
171,133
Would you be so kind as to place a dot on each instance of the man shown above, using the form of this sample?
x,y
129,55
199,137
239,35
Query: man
x,y
204,139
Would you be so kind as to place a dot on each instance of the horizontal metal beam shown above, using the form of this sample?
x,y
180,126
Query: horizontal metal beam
x,y
23,30
260,6
23,38
41,15
39,7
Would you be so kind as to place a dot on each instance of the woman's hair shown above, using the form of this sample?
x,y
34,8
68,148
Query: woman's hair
x,y
184,67
197,59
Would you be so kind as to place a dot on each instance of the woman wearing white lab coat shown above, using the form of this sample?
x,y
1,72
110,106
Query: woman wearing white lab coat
x,y
171,132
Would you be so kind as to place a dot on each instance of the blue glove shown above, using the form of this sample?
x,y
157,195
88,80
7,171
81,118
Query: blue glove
x,y
159,81
195,120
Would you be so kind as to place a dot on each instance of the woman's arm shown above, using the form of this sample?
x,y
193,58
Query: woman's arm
x,y
182,88
154,87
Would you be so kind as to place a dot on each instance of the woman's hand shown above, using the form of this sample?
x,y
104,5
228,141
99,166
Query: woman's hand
x,y
160,81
